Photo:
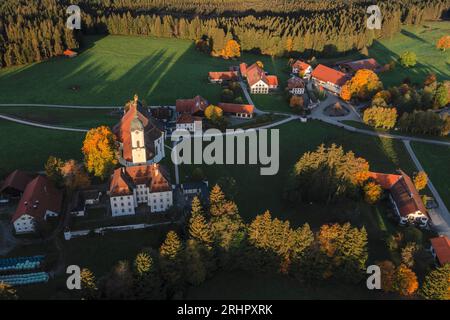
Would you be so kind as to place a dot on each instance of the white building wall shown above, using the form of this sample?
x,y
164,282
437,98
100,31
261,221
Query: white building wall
x,y
260,88
160,201
122,205
186,126
25,224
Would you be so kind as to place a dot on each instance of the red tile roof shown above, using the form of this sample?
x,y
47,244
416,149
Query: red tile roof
x,y
154,176
152,131
441,246
16,180
386,181
197,104
403,192
272,81
69,53
326,74
39,196
187,118
302,66
255,74
237,108
243,69
224,76
370,64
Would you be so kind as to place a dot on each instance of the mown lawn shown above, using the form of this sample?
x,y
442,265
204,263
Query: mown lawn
x,y
256,193
75,118
28,148
436,162
422,41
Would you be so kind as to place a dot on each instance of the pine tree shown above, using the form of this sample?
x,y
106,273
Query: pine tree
x,y
171,261
196,207
200,230
437,284
88,284
216,201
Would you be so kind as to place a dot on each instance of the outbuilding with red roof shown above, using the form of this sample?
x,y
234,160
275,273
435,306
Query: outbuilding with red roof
x,y
440,249
329,78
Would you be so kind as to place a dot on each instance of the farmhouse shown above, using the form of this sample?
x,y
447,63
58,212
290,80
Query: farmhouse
x,y
328,78
194,106
189,122
39,201
352,67
440,249
302,69
404,197
296,86
140,137
238,110
220,77
69,53
132,186
258,81
15,184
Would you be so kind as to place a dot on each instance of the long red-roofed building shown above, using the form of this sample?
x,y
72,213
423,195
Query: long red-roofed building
x,y
194,106
329,78
238,110
40,200
440,248
15,183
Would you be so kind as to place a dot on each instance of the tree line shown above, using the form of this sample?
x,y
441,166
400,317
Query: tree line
x,y
36,30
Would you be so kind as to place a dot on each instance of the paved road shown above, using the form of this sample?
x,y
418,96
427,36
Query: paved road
x,y
440,216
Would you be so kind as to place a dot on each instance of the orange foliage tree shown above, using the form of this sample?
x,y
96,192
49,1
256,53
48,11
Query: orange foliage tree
x,y
372,192
346,94
364,84
387,275
232,49
74,175
443,43
405,281
99,149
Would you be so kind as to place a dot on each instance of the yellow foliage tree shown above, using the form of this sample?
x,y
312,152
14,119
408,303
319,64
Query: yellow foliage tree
x,y
213,112
99,149
420,180
405,281
372,192
74,175
260,64
380,117
443,43
232,49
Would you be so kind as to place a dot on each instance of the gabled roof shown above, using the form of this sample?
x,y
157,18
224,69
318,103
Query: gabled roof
x,y
302,66
295,82
135,116
237,108
386,181
272,81
17,180
243,69
39,196
370,64
225,75
154,176
326,74
441,246
256,74
69,53
187,118
197,104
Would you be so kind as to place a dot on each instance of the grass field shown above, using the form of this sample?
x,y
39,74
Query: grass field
x,y
74,118
28,148
436,162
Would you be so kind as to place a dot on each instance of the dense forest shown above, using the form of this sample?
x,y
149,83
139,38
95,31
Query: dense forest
x,y
33,30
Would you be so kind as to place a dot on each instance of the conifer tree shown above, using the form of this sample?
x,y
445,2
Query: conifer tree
x,y
437,284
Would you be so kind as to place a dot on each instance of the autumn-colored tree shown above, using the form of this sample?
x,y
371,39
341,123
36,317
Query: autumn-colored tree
x,y
346,94
171,260
405,281
260,64
420,180
408,59
232,49
53,170
372,192
443,43
216,201
147,282
74,175
408,254
387,275
379,117
289,45
99,149
7,292
441,96
296,103
437,284
196,206
88,284
143,263
213,112
364,84
200,230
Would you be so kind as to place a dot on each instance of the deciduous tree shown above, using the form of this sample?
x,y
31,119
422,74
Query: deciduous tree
x,y
405,281
420,180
